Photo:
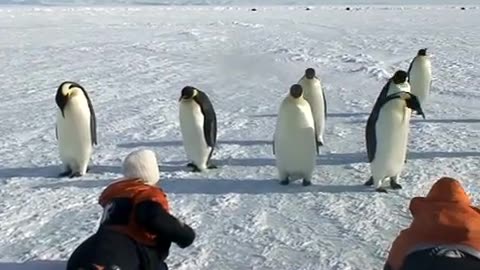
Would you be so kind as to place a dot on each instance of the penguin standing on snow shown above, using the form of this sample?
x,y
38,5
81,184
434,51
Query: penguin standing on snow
x,y
198,123
420,76
76,129
394,85
294,140
387,134
315,96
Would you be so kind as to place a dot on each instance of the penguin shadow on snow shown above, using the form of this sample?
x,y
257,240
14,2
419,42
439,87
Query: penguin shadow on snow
x,y
446,121
180,143
53,171
439,121
86,181
41,171
333,115
334,159
250,186
34,265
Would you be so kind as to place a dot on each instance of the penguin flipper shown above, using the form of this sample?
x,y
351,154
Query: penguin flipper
x,y
324,104
93,119
410,68
370,136
210,118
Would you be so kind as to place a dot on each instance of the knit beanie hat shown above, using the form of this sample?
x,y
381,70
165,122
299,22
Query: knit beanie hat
x,y
142,164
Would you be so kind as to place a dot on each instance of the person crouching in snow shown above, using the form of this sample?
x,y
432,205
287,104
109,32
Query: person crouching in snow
x,y
136,229
444,233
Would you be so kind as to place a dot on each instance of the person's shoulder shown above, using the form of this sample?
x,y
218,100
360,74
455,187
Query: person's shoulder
x,y
155,194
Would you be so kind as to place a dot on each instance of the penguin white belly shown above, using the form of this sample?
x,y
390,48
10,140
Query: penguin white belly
x,y
74,136
191,125
420,81
391,132
295,142
314,96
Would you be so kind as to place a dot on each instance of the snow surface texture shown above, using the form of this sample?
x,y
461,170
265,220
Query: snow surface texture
x,y
240,2
135,61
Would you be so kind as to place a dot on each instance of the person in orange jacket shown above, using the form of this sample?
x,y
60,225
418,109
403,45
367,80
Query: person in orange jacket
x,y
444,233
136,229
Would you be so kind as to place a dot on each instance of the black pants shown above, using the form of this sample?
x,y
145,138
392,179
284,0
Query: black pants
x,y
430,260
114,251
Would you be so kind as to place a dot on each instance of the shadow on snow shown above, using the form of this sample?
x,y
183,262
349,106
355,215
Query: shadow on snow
x,y
336,115
180,143
53,171
439,121
249,186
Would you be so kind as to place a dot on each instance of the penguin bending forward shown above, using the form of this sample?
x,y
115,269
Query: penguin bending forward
x,y
76,129
198,124
294,139
393,85
387,136
420,76
315,96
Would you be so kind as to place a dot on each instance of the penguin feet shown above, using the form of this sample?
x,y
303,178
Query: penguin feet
x,y
65,173
212,166
76,174
195,168
369,182
284,182
395,185
306,182
381,190
191,165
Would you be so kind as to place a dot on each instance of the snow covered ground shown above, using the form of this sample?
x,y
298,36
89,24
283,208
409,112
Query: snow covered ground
x,y
134,62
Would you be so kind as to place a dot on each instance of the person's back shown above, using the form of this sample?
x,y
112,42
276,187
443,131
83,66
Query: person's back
x,y
136,221
444,233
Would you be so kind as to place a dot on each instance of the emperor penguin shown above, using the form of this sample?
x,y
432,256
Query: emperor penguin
x,y
198,124
294,139
315,96
392,86
420,76
76,128
387,135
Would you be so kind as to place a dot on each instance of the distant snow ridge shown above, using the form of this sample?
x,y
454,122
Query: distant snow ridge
x,y
238,2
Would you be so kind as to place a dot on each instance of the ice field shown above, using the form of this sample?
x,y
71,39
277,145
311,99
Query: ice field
x,y
134,61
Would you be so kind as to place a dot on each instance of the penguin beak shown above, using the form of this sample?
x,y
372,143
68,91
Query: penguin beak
x,y
181,98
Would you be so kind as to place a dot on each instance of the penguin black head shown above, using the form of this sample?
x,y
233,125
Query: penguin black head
x,y
188,92
64,92
399,77
310,73
296,91
422,52
412,103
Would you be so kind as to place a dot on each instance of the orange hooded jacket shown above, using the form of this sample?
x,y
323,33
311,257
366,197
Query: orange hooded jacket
x,y
443,217
138,191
